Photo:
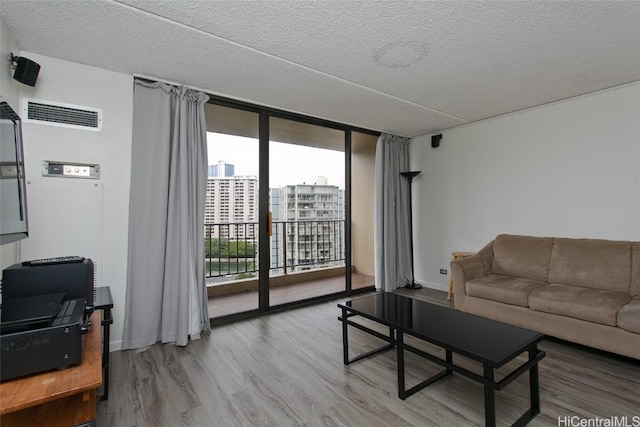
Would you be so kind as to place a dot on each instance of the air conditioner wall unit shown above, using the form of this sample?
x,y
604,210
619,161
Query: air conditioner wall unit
x,y
62,115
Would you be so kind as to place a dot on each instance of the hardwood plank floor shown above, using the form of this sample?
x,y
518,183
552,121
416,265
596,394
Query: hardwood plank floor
x,y
285,369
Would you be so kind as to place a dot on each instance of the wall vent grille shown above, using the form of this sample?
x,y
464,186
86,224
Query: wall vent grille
x,y
62,115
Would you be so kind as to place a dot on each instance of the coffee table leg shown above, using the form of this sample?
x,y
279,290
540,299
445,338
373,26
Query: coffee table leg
x,y
400,363
489,398
449,360
345,339
534,385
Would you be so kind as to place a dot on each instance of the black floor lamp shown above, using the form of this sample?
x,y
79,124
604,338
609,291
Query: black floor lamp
x,y
410,176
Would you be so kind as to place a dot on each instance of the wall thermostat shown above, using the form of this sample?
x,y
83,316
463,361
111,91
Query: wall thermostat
x,y
70,170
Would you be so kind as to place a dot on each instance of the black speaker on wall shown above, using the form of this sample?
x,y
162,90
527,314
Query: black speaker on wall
x,y
435,140
26,71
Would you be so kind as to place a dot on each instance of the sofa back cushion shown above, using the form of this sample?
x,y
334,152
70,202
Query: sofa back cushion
x,y
634,290
522,256
591,263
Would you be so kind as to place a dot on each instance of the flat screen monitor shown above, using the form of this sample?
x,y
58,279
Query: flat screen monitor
x,y
13,195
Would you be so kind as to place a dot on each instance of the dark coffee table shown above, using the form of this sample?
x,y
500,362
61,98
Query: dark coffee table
x,y
489,342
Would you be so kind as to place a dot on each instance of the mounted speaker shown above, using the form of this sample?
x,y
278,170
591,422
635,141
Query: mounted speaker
x,y
435,140
26,71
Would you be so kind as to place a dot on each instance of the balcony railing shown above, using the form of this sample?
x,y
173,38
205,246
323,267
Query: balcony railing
x,y
231,249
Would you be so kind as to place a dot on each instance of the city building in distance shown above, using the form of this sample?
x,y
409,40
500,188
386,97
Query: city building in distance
x,y
221,170
307,219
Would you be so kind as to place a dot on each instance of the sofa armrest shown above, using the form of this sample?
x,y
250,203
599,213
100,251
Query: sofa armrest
x,y
463,270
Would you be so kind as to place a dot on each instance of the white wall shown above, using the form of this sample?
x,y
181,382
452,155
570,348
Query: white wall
x,y
568,169
72,83
9,89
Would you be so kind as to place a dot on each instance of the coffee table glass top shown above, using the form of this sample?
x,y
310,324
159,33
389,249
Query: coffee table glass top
x,y
488,341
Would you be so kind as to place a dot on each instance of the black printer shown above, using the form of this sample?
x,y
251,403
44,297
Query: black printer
x,y
46,305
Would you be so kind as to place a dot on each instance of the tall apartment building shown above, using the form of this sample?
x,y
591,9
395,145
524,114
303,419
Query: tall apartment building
x,y
276,237
314,215
232,202
221,170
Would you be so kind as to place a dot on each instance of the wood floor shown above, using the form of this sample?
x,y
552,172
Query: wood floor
x,y
285,369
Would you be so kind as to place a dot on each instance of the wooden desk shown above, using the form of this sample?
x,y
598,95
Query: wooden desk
x,y
456,256
57,398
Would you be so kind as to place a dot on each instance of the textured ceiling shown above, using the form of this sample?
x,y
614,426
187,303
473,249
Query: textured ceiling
x,y
396,66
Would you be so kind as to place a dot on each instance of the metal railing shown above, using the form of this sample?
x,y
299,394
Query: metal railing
x,y
231,249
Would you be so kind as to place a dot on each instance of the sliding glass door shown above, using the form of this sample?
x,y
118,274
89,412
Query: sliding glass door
x,y
307,204
278,209
231,212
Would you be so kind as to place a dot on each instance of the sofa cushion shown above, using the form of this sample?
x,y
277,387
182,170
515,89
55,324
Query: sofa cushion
x,y
522,256
634,289
505,289
629,316
591,263
593,305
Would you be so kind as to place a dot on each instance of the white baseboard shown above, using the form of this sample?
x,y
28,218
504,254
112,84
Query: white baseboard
x,y
432,285
115,346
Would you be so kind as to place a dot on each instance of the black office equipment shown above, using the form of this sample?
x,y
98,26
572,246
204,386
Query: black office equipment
x,y
57,345
46,307
28,312
74,278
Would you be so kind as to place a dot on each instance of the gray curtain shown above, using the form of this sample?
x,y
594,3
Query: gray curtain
x,y
166,292
392,248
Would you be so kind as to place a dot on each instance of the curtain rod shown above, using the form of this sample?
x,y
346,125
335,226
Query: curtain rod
x,y
336,125
156,79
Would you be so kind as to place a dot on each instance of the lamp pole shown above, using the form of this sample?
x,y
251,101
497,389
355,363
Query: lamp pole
x,y
410,176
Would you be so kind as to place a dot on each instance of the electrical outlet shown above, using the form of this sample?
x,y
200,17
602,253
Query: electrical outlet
x,y
443,271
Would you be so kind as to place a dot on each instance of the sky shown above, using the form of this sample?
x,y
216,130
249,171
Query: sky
x,y
290,164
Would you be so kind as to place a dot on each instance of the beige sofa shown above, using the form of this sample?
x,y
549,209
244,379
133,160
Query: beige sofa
x,y
581,290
